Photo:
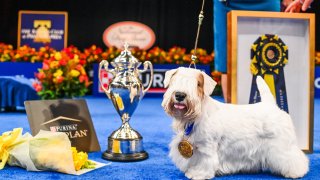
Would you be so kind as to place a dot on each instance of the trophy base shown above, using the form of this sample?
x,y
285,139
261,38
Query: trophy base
x,y
125,144
125,157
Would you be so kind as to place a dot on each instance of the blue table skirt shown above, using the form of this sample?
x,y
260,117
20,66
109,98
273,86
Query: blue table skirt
x,y
14,91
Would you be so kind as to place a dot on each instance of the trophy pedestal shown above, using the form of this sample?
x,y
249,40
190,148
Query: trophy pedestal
x,y
124,157
125,144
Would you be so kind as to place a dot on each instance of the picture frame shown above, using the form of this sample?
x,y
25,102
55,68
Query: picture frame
x,y
297,31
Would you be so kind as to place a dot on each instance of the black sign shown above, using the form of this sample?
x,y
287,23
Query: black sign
x,y
64,115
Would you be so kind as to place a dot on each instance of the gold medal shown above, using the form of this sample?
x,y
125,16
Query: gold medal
x,y
185,149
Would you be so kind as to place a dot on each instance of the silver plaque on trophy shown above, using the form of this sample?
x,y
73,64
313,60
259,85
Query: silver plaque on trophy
x,y
125,91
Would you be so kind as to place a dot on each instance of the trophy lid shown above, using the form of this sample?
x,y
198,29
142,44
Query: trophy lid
x,y
126,59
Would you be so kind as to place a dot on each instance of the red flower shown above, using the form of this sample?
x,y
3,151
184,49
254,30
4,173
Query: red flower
x,y
63,62
98,51
37,86
45,66
59,79
82,62
71,55
83,78
79,67
41,75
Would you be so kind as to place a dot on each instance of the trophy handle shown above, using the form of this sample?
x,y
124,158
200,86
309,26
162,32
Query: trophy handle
x,y
147,64
105,64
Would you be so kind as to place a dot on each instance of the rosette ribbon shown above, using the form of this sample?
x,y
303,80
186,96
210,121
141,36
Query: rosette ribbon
x,y
269,55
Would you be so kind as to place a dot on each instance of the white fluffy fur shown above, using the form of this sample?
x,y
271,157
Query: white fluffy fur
x,y
231,138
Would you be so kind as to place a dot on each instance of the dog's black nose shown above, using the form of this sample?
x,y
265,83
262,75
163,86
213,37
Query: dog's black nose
x,y
180,96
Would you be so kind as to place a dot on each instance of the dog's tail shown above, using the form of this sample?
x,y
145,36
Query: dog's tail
x,y
265,93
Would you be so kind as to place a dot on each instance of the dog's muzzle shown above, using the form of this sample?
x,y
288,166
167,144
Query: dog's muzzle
x,y
179,98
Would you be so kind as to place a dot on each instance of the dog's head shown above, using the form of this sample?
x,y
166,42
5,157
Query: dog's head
x,y
187,88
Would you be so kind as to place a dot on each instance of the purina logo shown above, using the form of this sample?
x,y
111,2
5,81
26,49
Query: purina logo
x,y
70,129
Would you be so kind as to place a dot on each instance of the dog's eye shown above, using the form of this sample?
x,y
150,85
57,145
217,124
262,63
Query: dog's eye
x,y
199,84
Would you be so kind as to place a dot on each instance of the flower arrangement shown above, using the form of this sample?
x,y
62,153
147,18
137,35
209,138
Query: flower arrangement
x,y
203,56
177,55
94,54
139,53
111,53
25,53
62,75
157,55
43,53
6,52
216,75
317,58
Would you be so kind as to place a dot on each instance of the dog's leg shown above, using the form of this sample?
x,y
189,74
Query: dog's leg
x,y
204,163
289,162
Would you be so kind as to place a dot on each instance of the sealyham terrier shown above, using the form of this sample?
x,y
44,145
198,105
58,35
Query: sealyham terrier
x,y
214,138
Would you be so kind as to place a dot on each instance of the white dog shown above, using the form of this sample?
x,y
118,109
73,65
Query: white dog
x,y
229,138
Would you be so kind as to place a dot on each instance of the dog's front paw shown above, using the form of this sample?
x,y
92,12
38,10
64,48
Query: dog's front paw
x,y
198,174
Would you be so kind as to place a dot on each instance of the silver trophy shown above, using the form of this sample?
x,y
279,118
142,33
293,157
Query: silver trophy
x,y
125,92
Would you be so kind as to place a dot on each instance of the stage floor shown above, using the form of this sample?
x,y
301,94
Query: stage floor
x,y
155,127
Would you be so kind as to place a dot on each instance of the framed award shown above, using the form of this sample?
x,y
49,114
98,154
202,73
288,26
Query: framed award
x,y
280,48
43,28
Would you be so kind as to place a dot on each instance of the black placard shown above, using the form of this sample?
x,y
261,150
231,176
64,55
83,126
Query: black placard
x,y
64,115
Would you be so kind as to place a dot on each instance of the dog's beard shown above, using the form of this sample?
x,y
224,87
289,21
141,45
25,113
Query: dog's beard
x,y
185,111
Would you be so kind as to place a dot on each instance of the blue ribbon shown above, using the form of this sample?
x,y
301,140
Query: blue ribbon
x,y
188,129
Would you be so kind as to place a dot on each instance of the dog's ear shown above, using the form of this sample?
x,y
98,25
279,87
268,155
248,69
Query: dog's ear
x,y
209,84
168,77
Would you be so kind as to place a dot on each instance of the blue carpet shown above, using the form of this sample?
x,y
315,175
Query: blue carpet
x,y
154,125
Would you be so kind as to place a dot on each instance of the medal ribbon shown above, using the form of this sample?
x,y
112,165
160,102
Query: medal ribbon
x,y
185,147
268,57
188,129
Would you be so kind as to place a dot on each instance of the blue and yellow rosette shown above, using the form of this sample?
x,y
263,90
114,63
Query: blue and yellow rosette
x,y
269,55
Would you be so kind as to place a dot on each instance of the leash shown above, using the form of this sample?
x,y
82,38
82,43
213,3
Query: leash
x,y
185,147
194,55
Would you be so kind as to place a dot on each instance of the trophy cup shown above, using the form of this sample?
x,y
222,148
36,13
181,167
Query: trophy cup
x,y
125,92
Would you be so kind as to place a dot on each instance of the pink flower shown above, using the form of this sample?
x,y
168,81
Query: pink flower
x,y
45,66
37,86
